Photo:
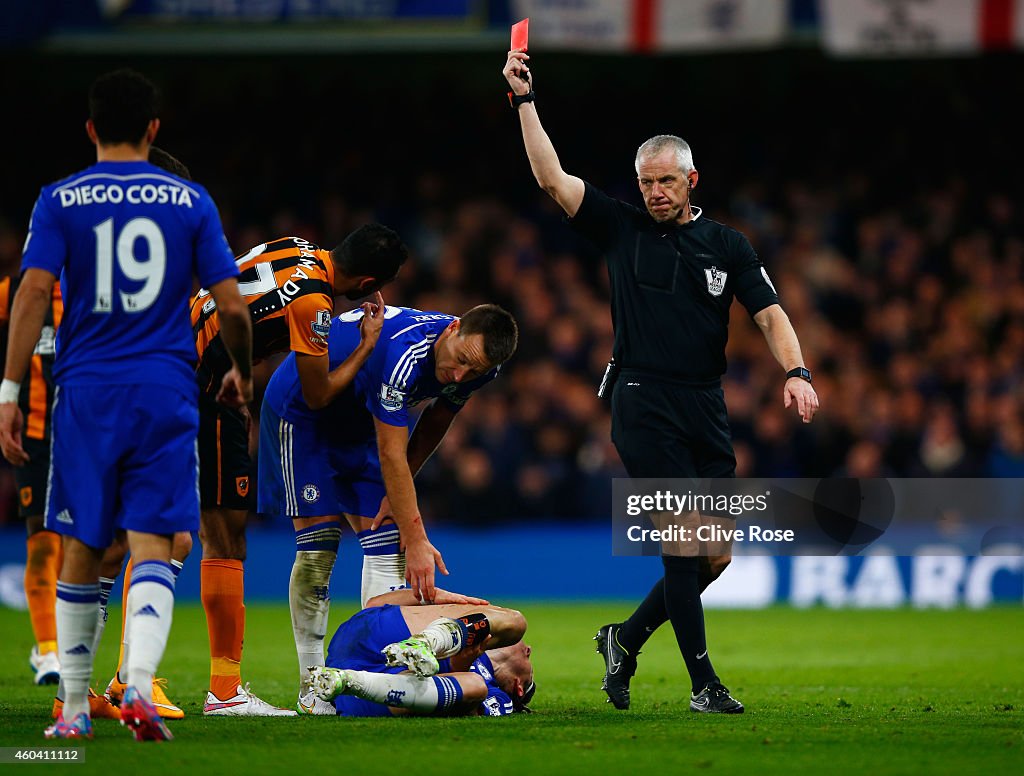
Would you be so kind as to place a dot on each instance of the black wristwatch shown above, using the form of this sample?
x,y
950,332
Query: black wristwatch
x,y
515,100
802,372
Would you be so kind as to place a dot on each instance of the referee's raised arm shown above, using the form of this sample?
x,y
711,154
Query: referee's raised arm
x,y
567,190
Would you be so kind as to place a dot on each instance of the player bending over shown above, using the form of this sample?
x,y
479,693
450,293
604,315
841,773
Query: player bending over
x,y
289,287
466,658
317,466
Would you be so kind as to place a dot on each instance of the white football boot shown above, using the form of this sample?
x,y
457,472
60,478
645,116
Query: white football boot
x,y
243,704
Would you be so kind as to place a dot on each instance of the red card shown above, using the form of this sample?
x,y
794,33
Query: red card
x,y
520,34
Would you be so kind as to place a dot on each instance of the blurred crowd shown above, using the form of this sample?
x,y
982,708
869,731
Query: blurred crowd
x,y
902,271
912,320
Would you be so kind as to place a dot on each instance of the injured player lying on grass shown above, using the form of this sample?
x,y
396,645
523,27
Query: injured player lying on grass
x,y
398,657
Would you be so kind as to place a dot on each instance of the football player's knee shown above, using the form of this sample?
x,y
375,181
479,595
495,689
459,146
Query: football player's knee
x,y
718,565
41,554
508,625
114,555
518,624
209,539
222,533
214,537
81,563
238,547
182,546
207,529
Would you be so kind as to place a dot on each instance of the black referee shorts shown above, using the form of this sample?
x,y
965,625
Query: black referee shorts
x,y
225,467
667,429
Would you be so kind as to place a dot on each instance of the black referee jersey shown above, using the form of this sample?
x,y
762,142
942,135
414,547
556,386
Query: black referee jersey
x,y
672,286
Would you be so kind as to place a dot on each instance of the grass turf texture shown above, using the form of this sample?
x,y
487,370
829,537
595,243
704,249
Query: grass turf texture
x,y
851,691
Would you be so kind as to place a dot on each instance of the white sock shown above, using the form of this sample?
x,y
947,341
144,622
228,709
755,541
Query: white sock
x,y
77,612
176,567
383,564
444,637
425,694
309,600
150,611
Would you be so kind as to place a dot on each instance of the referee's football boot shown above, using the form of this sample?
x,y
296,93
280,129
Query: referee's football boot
x,y
715,699
619,665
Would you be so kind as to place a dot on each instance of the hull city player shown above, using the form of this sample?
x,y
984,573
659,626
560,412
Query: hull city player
x,y
43,550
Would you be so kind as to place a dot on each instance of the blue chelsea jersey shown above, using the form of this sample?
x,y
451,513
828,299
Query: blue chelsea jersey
x,y
399,374
126,238
498,703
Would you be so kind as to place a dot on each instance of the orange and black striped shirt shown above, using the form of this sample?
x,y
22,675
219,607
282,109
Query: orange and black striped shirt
x,y
289,287
37,391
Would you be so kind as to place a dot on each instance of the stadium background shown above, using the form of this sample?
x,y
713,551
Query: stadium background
x,y
880,185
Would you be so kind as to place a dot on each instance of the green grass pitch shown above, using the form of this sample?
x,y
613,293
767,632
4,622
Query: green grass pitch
x,y
865,692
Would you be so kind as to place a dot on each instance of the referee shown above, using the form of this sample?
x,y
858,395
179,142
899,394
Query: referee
x,y
673,277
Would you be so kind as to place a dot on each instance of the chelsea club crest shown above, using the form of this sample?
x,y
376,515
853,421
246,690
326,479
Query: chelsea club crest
x,y
311,493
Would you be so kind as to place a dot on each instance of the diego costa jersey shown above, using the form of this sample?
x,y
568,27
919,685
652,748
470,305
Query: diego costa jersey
x,y
399,374
126,238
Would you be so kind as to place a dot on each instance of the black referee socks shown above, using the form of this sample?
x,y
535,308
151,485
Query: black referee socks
x,y
647,618
682,603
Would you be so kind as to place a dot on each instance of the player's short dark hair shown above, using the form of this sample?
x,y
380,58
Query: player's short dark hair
x,y
372,250
501,334
519,704
160,158
121,105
